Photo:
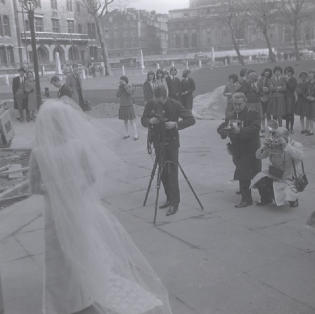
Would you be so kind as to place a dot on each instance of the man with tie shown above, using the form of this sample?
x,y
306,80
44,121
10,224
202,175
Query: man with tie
x,y
20,94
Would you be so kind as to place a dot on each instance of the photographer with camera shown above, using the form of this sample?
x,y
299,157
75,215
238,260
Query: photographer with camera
x,y
243,131
277,182
164,117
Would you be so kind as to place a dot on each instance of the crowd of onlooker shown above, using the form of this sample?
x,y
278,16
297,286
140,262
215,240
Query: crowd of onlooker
x,y
276,94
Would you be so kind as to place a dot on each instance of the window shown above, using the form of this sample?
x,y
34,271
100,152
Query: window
x,y
69,5
27,26
91,30
39,24
6,25
194,40
177,41
3,56
39,4
186,41
55,25
10,55
70,26
80,30
93,52
53,4
78,5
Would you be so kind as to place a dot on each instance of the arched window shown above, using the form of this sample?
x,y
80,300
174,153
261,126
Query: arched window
x,y
43,55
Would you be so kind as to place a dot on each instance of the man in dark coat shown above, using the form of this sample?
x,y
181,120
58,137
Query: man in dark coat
x,y
148,87
161,116
187,88
174,85
63,89
20,95
243,130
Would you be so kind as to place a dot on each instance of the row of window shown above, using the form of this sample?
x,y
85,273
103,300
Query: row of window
x,y
39,27
6,56
54,5
5,26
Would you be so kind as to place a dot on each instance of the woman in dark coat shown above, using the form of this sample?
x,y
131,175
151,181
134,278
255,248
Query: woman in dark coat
x,y
243,131
302,102
188,87
174,85
148,87
277,102
310,113
290,98
126,109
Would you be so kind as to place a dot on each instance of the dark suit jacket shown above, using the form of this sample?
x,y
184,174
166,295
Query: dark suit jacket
x,y
174,88
16,84
147,91
65,91
173,110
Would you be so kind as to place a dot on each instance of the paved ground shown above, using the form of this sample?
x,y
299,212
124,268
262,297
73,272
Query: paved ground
x,y
220,261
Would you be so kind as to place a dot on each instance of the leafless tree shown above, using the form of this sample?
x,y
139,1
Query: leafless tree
x,y
233,18
294,12
263,13
98,9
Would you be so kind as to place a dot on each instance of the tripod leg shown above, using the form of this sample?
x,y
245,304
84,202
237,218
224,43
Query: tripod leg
x,y
191,187
158,186
151,179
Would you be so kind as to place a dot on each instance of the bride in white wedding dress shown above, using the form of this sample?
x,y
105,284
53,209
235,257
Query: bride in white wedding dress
x,y
90,261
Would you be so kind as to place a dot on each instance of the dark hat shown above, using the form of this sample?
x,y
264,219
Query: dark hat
x,y
21,69
124,78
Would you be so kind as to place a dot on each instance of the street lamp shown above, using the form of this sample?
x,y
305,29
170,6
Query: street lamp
x,y
29,6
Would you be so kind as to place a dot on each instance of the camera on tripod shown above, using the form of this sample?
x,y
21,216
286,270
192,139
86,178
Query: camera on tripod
x,y
156,131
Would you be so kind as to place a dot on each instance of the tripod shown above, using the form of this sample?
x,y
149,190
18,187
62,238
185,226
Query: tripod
x,y
161,163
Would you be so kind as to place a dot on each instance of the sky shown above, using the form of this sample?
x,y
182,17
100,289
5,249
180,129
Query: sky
x,y
161,6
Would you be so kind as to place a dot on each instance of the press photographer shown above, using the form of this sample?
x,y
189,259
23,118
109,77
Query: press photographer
x,y
242,128
164,117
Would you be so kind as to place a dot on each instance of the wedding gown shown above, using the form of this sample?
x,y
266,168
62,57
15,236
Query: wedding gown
x,y
90,260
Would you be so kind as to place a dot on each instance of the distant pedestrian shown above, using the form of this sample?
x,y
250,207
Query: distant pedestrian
x,y
310,114
188,87
31,94
302,103
20,95
265,87
277,102
126,109
231,87
252,93
160,80
148,87
290,97
174,85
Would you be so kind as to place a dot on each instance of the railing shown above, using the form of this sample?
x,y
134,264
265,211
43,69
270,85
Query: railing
x,y
57,36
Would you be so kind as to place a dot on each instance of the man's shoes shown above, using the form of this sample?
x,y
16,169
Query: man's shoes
x,y
165,205
244,204
172,210
125,137
294,204
264,203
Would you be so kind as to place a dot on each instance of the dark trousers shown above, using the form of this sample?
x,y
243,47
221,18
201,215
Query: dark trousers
x,y
265,188
289,121
245,190
169,175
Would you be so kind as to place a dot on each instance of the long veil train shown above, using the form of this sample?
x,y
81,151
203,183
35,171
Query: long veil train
x,y
109,271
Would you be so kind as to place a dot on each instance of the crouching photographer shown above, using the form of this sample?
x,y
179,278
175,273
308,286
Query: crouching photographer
x,y
279,182
163,117
242,127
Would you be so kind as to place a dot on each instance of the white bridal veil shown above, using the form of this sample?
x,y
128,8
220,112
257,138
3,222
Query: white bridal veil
x,y
110,269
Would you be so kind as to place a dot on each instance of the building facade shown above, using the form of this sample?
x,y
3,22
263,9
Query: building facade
x,y
129,31
9,48
202,27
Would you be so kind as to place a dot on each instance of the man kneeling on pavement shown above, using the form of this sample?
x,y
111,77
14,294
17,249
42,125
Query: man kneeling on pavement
x,y
242,127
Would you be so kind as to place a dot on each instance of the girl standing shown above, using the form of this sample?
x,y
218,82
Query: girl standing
x,y
188,87
126,109
310,114
302,102
232,86
31,95
160,80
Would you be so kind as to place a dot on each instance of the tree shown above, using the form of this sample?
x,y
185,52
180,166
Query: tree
x,y
233,18
263,13
293,12
98,9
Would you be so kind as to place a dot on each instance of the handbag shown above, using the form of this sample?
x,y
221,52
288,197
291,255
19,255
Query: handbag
x,y
300,181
